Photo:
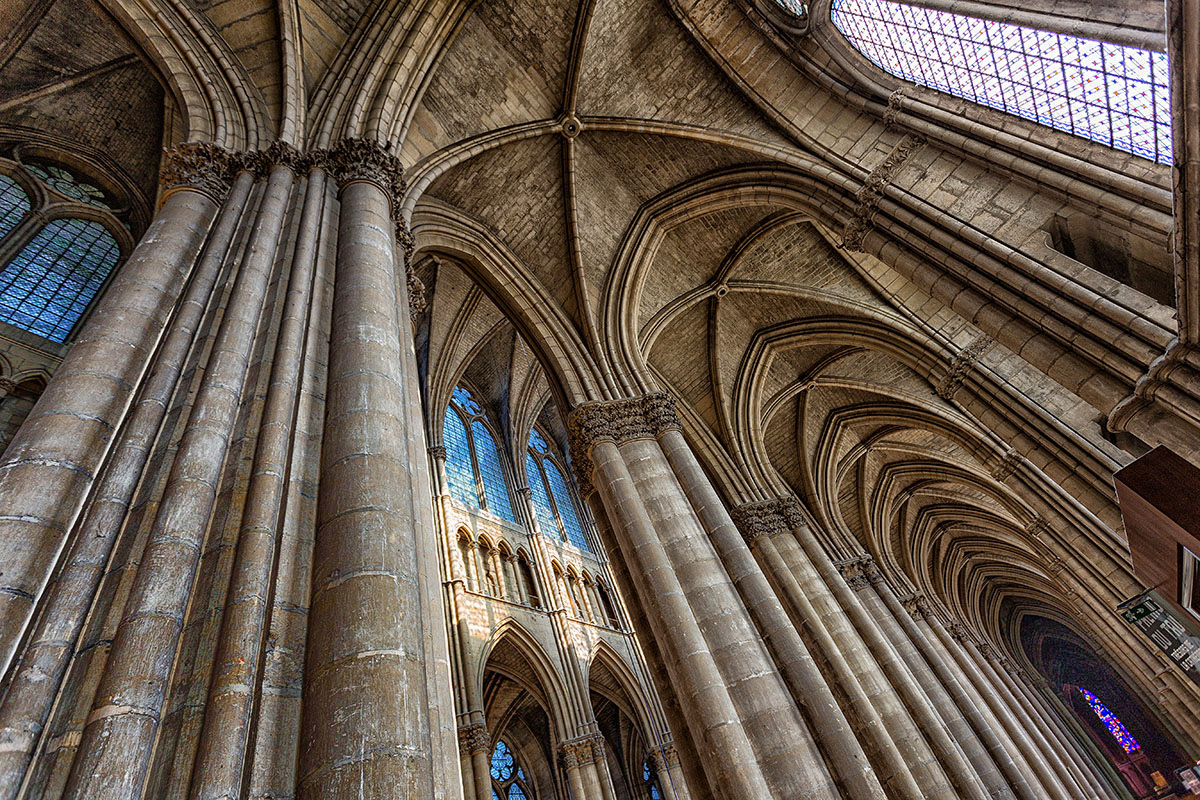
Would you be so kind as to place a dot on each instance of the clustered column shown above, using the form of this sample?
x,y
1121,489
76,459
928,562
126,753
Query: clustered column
x,y
751,738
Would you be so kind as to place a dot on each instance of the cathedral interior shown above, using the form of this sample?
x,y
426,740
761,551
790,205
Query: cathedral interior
x,y
592,399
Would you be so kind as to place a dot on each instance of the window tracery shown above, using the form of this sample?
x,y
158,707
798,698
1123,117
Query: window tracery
x,y
552,500
1112,94
473,468
508,777
52,270
651,781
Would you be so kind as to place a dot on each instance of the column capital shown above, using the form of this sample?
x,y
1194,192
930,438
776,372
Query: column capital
x,y
474,738
662,757
200,166
616,421
437,451
1009,463
767,518
856,571
353,160
917,605
577,752
962,364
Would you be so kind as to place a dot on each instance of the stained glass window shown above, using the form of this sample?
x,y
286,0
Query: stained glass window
x,y
797,7
459,472
1108,93
49,284
651,783
508,779
566,506
1110,720
552,501
473,467
495,490
63,182
14,204
541,497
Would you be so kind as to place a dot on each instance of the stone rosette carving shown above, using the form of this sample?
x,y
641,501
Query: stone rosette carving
x,y
199,166
474,738
961,365
868,197
617,421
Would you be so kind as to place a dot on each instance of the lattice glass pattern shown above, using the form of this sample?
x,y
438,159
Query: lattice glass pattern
x,y
794,7
515,792
566,507
14,204
495,489
541,498
465,401
1109,93
502,762
49,284
1110,720
63,182
459,472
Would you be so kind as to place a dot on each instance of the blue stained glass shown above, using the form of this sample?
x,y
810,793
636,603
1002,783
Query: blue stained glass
x,y
502,762
1110,720
541,498
1076,85
14,204
49,284
515,792
566,507
495,796
63,182
466,401
538,443
495,489
459,472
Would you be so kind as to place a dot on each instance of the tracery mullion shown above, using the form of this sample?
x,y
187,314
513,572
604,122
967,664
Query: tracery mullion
x,y
562,528
479,489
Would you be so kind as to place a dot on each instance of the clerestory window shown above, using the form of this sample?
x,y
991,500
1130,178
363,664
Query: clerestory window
x,y
552,501
56,252
473,470
1109,93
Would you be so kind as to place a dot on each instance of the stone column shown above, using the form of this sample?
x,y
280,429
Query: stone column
x,y
671,780
827,721
31,693
955,639
743,720
49,467
365,728
475,745
118,739
949,754
600,757
226,733
888,732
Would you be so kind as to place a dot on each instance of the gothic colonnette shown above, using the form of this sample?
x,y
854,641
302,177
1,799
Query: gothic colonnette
x,y
577,400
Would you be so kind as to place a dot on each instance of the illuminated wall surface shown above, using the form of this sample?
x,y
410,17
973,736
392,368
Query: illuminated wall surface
x,y
1114,725
1115,95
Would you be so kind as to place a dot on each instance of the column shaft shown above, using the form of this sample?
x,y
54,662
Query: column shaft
x,y
365,726
44,662
118,739
49,467
225,736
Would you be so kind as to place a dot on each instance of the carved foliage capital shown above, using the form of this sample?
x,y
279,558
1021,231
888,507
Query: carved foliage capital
x,y
767,518
662,757
201,166
871,192
474,738
916,605
960,366
617,421
367,160
581,751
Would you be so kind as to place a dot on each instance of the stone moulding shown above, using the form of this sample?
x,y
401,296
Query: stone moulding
x,y
868,197
961,365
645,417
